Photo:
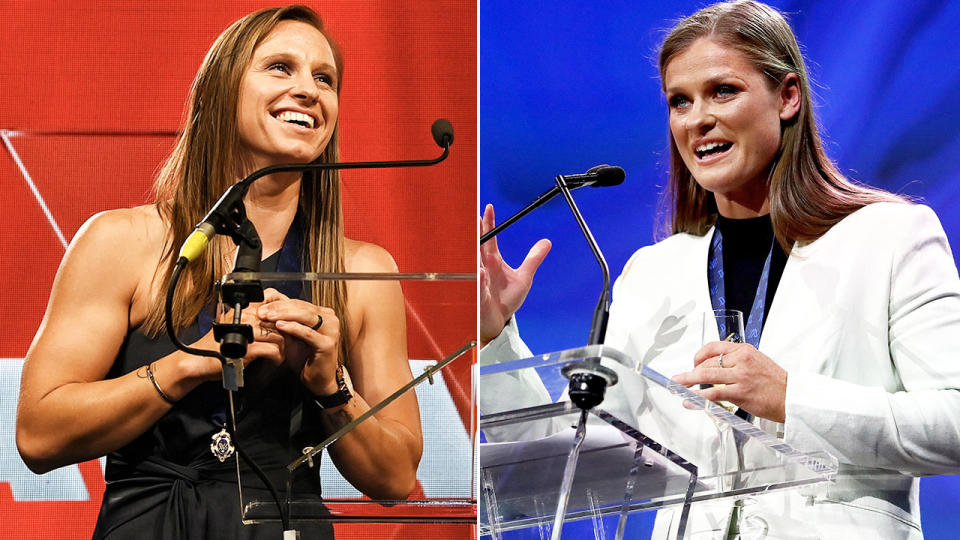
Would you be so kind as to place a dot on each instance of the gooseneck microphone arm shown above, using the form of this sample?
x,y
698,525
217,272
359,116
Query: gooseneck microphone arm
x,y
598,326
357,165
442,135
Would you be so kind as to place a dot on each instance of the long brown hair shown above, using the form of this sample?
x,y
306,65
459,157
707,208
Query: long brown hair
x,y
807,192
205,162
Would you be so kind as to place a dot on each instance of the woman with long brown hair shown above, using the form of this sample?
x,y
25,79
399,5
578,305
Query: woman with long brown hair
x,y
102,378
850,294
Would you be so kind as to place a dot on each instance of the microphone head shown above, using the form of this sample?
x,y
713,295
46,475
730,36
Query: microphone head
x,y
442,132
607,175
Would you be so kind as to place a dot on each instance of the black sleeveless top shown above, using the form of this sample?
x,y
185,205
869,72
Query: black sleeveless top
x,y
166,484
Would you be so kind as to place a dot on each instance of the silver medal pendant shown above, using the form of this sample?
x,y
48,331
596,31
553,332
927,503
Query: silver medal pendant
x,y
222,446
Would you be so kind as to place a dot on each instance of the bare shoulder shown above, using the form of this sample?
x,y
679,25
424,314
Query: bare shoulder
x,y
116,250
366,257
376,317
132,228
370,300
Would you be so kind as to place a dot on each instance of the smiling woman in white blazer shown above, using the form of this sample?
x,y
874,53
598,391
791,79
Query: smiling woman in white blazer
x,y
858,351
865,323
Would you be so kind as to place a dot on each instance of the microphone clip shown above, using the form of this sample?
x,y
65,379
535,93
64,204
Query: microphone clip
x,y
229,217
234,337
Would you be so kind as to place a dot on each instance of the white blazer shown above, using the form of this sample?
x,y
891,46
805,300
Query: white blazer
x,y
866,321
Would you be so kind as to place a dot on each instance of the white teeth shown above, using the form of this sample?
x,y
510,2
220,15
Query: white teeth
x,y
291,116
709,146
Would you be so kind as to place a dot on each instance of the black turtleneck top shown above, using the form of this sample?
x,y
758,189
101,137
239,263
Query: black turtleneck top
x,y
746,243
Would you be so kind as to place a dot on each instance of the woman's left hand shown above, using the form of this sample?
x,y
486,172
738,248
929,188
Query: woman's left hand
x,y
753,381
312,335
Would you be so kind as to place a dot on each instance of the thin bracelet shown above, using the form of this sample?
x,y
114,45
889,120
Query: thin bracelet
x,y
157,386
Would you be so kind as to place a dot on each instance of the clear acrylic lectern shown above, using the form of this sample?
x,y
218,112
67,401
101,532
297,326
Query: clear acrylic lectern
x,y
651,444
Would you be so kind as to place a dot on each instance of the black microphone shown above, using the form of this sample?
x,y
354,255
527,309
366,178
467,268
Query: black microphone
x,y
442,132
599,176
226,215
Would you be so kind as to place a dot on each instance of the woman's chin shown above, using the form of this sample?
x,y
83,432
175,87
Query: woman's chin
x,y
298,157
288,158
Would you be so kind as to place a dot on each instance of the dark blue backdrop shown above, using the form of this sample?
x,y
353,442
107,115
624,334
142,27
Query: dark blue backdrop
x,y
567,85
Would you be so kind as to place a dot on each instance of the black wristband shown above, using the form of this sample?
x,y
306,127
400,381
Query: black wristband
x,y
338,398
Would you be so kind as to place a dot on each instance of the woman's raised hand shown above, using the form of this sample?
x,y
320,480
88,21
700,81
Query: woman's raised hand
x,y
502,288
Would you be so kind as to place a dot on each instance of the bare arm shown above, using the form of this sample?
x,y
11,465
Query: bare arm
x,y
381,455
67,412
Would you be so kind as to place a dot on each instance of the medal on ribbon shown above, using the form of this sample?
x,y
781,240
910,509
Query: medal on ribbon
x,y
222,445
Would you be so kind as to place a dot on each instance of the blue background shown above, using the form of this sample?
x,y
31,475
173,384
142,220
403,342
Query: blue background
x,y
565,86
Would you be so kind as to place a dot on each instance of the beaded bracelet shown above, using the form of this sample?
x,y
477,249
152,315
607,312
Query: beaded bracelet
x,y
157,386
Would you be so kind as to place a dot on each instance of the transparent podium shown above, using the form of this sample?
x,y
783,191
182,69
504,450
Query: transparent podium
x,y
288,444
651,444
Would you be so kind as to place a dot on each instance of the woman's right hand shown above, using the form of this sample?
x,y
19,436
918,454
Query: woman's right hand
x,y
502,288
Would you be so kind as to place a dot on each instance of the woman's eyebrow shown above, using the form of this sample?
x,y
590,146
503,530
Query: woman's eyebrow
x,y
706,83
326,66
282,55
286,56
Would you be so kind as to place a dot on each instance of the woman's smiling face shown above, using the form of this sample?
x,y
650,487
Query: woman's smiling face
x,y
288,103
725,118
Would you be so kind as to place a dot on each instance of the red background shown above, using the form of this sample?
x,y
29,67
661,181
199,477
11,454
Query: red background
x,y
91,94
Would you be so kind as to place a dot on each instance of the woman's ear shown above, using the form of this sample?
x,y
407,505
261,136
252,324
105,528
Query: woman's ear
x,y
790,97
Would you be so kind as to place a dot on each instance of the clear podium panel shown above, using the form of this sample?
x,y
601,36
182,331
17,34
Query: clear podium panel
x,y
650,444
292,449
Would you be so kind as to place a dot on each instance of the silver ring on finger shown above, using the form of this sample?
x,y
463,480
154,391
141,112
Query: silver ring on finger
x,y
720,360
319,323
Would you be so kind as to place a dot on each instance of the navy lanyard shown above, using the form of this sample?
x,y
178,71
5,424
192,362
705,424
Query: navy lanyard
x,y
754,324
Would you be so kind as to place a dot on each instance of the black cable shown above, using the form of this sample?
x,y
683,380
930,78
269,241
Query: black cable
x,y
174,278
232,427
231,423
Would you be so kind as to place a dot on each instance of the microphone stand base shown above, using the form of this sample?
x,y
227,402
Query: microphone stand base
x,y
588,382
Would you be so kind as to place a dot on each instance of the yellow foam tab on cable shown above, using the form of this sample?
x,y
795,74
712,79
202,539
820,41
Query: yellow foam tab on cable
x,y
194,245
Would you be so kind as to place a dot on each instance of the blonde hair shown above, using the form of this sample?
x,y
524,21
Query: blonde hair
x,y
205,162
807,192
